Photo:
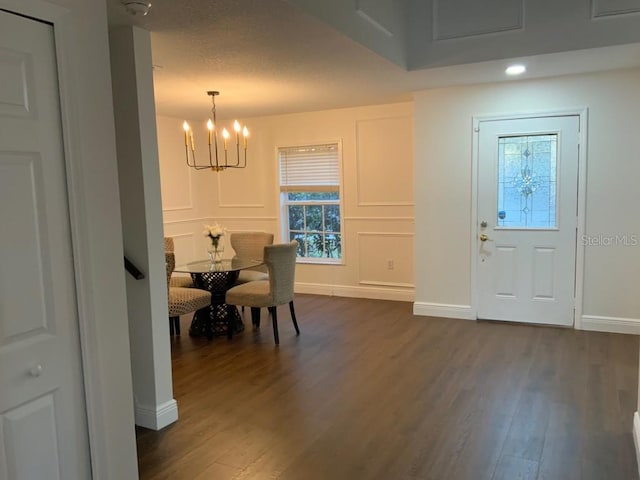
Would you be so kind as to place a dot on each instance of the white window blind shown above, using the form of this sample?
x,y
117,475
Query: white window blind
x,y
313,166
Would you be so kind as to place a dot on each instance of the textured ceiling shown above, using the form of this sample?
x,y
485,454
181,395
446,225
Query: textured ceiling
x,y
268,57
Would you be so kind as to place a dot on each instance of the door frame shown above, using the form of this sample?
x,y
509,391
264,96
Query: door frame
x,y
99,279
582,114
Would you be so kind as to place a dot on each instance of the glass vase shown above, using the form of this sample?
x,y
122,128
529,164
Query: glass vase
x,y
215,254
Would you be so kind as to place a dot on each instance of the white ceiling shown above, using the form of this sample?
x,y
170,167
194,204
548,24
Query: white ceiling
x,y
268,57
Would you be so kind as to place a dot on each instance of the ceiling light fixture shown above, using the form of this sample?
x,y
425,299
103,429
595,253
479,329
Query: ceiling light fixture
x,y
135,7
215,162
515,69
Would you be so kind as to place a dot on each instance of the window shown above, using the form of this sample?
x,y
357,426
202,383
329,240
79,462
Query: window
x,y
310,201
527,173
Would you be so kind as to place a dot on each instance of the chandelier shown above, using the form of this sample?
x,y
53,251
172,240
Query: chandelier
x,y
216,162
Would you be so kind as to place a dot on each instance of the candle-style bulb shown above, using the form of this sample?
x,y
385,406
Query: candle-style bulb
x,y
225,136
245,134
236,126
210,128
185,126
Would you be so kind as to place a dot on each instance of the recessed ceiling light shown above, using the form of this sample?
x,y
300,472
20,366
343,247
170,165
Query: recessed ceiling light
x,y
515,69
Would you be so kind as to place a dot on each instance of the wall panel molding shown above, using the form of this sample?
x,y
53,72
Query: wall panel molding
x,y
387,284
215,219
455,19
241,205
189,205
257,219
378,274
221,204
186,220
387,234
380,219
613,8
177,209
386,126
386,204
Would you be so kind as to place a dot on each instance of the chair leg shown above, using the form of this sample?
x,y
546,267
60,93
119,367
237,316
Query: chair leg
x,y
171,329
274,320
293,317
176,327
255,317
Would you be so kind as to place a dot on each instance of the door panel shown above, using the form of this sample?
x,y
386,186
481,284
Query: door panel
x,y
507,270
543,269
17,74
20,184
527,207
43,430
27,429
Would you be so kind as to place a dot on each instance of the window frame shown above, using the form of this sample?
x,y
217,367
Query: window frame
x,y
284,202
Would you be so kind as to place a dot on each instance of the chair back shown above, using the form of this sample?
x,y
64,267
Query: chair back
x,y
168,244
251,245
281,263
170,263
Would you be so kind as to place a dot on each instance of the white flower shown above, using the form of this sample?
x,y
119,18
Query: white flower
x,y
214,231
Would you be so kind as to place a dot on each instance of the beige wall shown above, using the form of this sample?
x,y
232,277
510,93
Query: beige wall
x,y
378,198
443,133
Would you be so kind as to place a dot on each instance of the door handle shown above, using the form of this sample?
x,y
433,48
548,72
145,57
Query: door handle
x,y
484,237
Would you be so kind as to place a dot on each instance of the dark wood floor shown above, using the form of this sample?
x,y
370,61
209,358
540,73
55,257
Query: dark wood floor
x,y
370,392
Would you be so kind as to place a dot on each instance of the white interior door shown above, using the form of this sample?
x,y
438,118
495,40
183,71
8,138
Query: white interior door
x,y
527,219
43,428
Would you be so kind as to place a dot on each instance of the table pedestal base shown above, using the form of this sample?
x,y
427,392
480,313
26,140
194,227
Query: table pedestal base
x,y
214,321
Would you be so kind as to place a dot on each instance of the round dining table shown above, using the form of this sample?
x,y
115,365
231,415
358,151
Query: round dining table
x,y
217,277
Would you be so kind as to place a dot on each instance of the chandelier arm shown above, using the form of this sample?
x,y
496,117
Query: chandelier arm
x,y
215,144
193,157
211,159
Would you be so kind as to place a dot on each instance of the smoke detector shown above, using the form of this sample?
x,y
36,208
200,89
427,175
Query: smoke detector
x,y
137,7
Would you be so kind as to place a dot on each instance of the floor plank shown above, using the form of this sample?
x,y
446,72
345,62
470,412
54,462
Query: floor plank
x,y
368,391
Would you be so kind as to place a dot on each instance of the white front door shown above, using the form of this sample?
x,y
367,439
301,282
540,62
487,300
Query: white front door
x,y
527,219
43,427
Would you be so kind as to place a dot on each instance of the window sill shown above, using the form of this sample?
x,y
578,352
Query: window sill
x,y
319,261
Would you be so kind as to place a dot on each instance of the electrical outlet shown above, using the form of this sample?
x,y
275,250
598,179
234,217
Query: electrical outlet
x,y
390,264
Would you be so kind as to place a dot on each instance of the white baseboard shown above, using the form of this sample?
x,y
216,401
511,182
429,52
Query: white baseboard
x,y
428,309
156,418
374,292
636,437
610,324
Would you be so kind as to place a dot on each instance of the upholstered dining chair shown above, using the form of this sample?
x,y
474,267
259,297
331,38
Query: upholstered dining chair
x,y
182,300
251,245
277,290
176,281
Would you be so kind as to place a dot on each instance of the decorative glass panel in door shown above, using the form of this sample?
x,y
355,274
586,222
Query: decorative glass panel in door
x,y
527,177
